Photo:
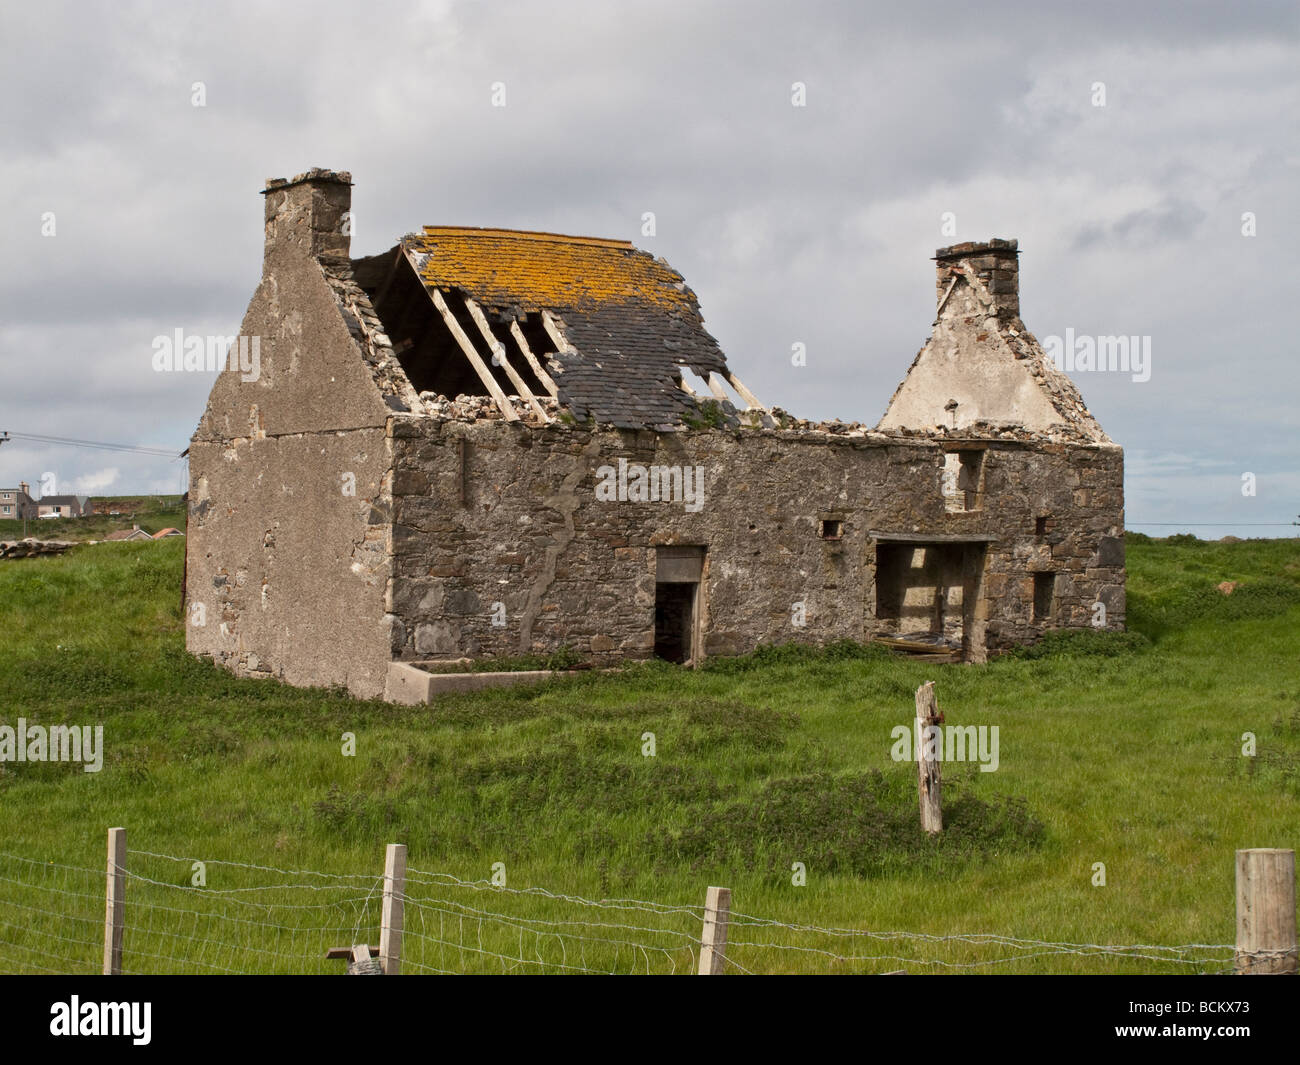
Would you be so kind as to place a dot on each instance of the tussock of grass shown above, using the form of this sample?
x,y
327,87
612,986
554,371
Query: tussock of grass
x,y
1115,748
860,825
1076,643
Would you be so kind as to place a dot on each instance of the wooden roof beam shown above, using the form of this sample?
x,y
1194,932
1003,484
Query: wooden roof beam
x,y
555,333
485,375
499,353
744,392
542,375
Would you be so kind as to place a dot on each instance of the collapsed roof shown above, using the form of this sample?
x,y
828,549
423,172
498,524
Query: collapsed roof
x,y
467,322
599,327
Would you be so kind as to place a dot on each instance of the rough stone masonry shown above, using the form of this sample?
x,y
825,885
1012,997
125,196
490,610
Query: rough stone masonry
x,y
486,443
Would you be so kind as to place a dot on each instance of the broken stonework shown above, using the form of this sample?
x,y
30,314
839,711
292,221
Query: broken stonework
x,y
487,443
31,548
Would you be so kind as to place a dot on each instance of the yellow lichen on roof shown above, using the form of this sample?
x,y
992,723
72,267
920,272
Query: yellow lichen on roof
x,y
523,234
538,271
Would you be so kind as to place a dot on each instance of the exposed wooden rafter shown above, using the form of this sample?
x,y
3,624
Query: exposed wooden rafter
x,y
554,332
485,375
744,392
498,350
542,375
715,386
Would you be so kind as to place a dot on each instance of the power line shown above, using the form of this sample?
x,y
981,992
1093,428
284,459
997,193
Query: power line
x,y
1214,524
61,441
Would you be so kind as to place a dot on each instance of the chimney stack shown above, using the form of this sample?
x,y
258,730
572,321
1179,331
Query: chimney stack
x,y
309,215
995,262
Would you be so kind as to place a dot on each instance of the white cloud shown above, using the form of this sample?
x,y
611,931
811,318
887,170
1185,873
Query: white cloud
x,y
812,224
96,483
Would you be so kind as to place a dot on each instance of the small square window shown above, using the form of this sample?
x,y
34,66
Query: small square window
x,y
1040,525
830,529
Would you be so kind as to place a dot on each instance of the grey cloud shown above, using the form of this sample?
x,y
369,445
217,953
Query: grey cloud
x,y
810,224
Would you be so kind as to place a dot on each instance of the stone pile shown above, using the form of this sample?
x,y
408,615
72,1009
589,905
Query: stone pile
x,y
30,548
481,408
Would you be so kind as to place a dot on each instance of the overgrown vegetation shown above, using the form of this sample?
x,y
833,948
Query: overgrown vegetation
x,y
708,414
1124,749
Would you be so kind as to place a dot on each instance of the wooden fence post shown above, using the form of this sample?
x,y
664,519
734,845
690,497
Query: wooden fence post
x,y
927,765
115,902
390,933
1266,928
713,942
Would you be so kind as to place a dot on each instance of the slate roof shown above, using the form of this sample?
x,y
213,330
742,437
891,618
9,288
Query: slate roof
x,y
629,317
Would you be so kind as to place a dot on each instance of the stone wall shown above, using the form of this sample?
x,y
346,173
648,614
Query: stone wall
x,y
287,551
501,522
31,548
287,572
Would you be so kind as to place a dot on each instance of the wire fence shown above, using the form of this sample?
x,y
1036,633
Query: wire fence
x,y
264,919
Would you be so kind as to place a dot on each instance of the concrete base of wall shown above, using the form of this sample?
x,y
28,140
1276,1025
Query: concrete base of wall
x,y
408,683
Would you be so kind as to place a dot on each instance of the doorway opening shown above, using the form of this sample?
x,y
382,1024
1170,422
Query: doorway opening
x,y
927,595
678,573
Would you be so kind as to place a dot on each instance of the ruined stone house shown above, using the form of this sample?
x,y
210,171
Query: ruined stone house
x,y
484,442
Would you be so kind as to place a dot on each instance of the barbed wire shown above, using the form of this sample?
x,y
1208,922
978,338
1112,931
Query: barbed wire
x,y
415,875
52,912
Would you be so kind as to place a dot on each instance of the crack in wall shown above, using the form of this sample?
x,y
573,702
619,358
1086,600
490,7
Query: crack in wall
x,y
565,502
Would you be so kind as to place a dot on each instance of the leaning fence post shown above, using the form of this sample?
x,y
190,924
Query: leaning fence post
x,y
1266,928
390,933
115,902
927,764
713,941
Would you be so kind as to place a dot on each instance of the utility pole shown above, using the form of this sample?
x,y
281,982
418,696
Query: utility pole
x,y
4,439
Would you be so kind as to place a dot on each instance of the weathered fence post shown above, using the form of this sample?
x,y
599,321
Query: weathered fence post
x,y
927,764
1266,928
390,932
713,942
115,902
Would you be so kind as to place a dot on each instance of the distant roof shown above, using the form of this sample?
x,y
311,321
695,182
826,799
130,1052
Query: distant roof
x,y
59,501
630,319
128,534
167,532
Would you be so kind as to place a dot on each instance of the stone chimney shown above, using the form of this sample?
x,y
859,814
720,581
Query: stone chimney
x,y
309,215
995,262
25,488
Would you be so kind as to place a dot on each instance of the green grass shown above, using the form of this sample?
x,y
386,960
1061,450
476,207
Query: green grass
x,y
1123,749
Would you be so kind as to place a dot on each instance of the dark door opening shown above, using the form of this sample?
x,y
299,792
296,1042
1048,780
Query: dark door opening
x,y
674,621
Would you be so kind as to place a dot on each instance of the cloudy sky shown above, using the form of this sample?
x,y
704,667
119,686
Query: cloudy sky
x,y
805,224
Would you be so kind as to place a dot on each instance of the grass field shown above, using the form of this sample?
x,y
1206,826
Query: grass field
x,y
154,513
1117,749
